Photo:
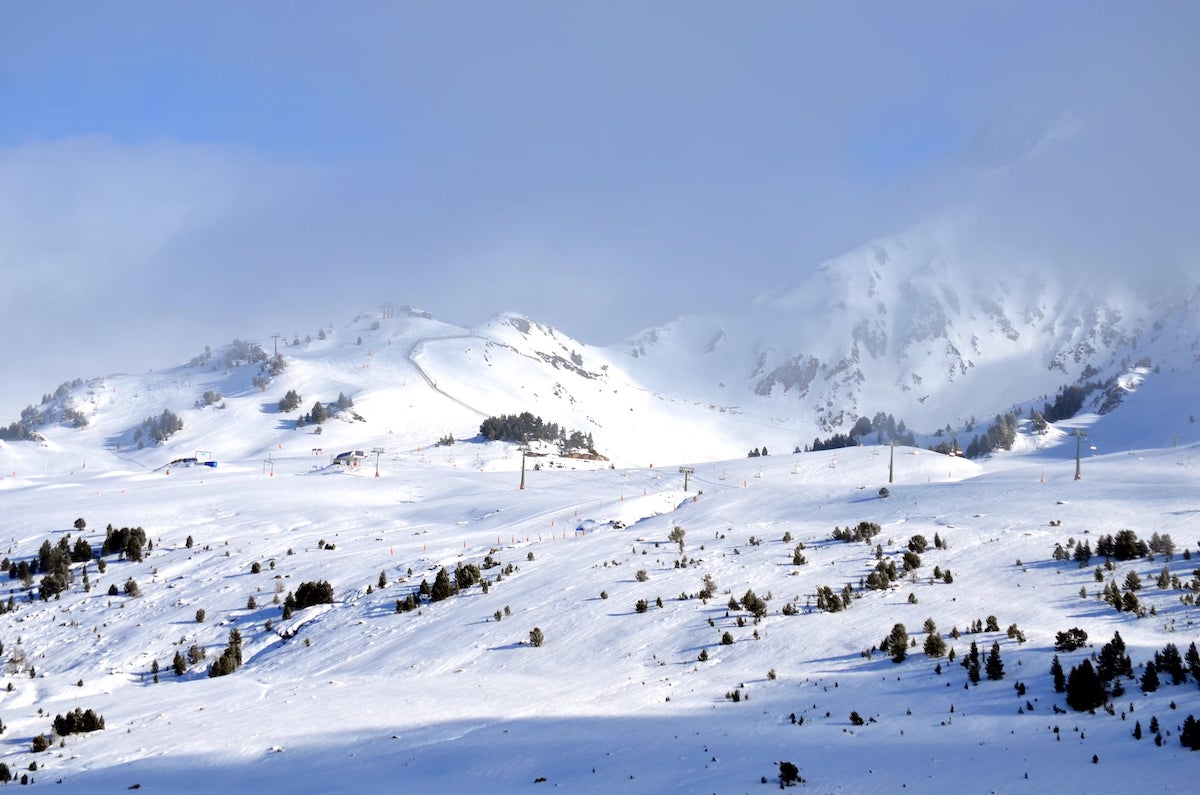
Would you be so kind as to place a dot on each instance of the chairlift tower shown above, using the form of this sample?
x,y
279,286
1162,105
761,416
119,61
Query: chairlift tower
x,y
378,451
276,337
1078,434
686,471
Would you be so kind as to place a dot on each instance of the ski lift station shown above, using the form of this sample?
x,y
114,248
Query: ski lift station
x,y
350,458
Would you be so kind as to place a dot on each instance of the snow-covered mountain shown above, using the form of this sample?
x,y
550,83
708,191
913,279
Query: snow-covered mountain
x,y
912,326
689,639
917,327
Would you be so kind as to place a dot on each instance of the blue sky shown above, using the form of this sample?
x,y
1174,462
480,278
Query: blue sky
x,y
176,174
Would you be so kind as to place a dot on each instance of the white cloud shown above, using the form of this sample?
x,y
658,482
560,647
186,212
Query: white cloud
x,y
93,235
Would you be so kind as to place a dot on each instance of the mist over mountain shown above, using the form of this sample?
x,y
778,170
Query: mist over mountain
x,y
915,327
498,556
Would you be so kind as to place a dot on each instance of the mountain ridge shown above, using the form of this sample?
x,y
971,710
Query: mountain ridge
x,y
897,326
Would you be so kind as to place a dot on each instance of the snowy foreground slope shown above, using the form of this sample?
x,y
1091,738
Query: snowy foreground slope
x,y
355,696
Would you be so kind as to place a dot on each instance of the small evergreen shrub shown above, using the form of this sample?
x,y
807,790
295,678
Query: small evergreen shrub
x,y
789,774
1070,640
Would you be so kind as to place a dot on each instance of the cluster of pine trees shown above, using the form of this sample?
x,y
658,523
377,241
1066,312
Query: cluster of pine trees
x,y
125,542
445,585
1068,401
230,659
884,426
308,594
1086,686
241,352
78,721
1000,436
862,532
159,428
523,427
320,412
290,401
526,427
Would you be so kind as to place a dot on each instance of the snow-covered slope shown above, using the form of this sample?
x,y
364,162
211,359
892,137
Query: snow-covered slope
x,y
355,695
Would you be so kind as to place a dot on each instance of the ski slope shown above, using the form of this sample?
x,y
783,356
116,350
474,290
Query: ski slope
x,y
355,695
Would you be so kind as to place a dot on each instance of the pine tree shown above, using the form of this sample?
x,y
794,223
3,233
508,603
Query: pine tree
x,y
994,666
1085,691
1113,661
319,413
1192,658
934,646
677,535
289,605
1190,735
1150,678
972,663
1169,662
442,587
897,643
1056,672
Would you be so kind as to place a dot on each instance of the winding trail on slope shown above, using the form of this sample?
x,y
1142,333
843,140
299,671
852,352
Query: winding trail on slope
x,y
419,344
411,356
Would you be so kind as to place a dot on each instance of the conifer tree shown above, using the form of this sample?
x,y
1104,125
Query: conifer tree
x,y
972,664
1169,662
1150,678
1056,672
1192,658
1085,691
994,665
1113,661
442,587
897,643
1190,735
